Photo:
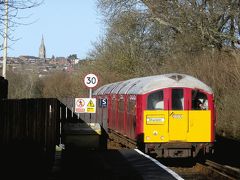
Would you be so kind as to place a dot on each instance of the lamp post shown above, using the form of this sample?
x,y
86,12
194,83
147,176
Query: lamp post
x,y
5,37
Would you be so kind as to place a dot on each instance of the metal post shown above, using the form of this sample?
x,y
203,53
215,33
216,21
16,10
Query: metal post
x,y
90,92
5,36
90,96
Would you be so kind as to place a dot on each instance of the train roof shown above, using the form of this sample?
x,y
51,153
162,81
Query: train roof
x,y
147,84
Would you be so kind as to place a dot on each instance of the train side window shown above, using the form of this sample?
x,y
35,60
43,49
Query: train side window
x,y
199,100
113,104
177,99
132,107
155,101
121,105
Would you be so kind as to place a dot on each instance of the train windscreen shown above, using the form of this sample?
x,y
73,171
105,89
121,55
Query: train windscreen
x,y
177,99
155,101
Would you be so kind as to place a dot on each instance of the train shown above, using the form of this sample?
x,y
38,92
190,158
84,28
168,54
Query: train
x,y
168,115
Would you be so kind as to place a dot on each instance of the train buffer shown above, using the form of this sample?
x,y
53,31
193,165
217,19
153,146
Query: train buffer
x,y
110,165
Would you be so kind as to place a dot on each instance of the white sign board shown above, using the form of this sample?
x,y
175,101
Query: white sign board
x,y
91,80
85,105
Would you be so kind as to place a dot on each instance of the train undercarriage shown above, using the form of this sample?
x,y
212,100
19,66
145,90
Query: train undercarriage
x,y
178,149
164,150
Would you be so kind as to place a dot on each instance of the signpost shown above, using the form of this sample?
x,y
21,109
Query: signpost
x,y
87,105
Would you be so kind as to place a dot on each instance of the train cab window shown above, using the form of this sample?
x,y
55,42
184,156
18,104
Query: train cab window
x,y
199,100
177,99
155,101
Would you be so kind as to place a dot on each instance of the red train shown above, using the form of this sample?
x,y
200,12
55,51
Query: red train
x,y
171,115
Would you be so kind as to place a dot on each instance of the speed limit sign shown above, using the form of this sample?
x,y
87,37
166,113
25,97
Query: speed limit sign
x,y
91,80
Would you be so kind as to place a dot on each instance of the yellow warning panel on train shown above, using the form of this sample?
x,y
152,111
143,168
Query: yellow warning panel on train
x,y
156,126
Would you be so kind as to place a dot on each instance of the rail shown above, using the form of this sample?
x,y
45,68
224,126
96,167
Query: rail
x,y
231,172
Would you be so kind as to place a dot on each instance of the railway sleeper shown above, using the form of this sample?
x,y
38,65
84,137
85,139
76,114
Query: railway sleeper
x,y
123,140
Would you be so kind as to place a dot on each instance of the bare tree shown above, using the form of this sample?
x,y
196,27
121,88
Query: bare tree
x,y
215,22
14,19
22,85
133,43
205,23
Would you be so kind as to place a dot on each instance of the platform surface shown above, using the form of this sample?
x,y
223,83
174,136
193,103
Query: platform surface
x,y
109,165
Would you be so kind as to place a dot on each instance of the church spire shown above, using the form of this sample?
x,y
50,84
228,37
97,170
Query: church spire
x,y
42,50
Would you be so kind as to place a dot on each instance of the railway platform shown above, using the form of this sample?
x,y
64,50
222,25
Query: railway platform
x,y
111,164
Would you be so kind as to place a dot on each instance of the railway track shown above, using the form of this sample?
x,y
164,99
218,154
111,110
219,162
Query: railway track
x,y
208,170
223,171
200,171
119,141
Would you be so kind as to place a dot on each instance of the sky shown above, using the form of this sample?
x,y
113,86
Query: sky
x,y
68,27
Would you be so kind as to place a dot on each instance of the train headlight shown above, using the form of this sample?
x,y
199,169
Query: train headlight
x,y
162,138
147,138
155,133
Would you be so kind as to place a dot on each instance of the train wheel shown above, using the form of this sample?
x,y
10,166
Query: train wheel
x,y
201,156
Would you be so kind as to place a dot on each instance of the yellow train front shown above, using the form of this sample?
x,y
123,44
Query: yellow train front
x,y
171,115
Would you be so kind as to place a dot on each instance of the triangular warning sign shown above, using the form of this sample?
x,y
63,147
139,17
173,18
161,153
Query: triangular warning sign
x,y
90,104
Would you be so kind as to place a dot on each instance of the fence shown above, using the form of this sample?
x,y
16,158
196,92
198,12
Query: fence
x,y
3,88
30,124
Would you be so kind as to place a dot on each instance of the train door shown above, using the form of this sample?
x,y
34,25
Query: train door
x,y
178,118
121,116
200,117
131,116
155,124
109,111
113,112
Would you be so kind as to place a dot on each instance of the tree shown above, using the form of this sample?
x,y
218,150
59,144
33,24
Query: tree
x,y
62,85
194,24
22,85
214,23
72,56
133,44
14,6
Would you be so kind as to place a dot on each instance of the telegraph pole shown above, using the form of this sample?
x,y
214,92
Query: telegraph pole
x,y
5,37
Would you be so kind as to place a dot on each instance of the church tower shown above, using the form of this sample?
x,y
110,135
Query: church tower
x,y
42,50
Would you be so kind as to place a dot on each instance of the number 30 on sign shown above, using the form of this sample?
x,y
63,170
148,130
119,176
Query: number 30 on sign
x,y
91,80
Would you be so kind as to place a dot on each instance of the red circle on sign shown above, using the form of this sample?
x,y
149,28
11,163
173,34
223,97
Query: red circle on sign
x,y
80,103
91,80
